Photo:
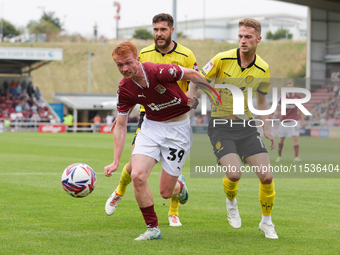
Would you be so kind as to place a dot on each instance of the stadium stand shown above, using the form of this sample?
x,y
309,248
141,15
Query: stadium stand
x,y
324,106
20,107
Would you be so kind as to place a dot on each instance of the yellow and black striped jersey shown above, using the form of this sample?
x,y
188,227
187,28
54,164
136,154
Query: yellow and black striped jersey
x,y
179,55
225,68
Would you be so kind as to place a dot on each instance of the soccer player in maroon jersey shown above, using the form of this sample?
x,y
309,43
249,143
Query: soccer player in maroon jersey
x,y
292,127
166,135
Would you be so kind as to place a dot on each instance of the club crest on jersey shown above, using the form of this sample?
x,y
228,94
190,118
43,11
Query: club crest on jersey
x,y
160,89
249,79
208,66
173,72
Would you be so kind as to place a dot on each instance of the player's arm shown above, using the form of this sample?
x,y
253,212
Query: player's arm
x,y
194,77
114,122
262,105
119,135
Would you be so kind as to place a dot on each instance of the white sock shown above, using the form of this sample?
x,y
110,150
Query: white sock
x,y
231,202
267,219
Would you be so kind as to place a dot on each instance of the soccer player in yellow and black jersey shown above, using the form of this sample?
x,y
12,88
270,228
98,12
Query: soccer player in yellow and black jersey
x,y
164,50
235,137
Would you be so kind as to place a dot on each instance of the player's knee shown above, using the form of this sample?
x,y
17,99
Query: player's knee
x,y
233,179
138,178
267,180
165,193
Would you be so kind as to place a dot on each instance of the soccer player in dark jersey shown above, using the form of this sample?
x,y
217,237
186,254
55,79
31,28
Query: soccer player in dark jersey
x,y
166,51
292,124
166,135
244,69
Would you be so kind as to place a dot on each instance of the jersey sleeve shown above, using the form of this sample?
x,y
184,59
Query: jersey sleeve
x,y
192,62
123,104
209,71
263,88
168,73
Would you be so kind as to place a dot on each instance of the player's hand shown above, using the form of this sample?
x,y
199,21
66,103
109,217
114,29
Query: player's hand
x,y
270,137
193,102
114,124
108,170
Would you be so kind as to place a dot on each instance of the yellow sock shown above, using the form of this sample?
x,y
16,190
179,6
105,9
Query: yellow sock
x,y
230,188
174,204
125,179
267,198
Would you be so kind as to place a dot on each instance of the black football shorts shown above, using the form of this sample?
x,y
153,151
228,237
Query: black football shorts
x,y
235,137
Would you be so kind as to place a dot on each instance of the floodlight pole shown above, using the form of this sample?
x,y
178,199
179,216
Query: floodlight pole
x,y
203,19
90,54
174,16
2,23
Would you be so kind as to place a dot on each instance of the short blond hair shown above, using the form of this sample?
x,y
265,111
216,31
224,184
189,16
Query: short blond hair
x,y
249,22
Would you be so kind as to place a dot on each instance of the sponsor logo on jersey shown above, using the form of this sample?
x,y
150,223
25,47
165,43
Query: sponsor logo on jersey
x,y
208,66
173,71
249,79
157,107
161,69
142,95
160,89
195,67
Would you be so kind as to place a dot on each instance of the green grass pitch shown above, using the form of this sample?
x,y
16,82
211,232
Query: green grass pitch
x,y
38,217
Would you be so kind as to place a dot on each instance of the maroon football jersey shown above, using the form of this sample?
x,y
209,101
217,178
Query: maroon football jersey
x,y
291,109
162,99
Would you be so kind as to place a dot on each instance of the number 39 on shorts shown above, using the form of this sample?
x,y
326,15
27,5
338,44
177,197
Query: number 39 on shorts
x,y
175,154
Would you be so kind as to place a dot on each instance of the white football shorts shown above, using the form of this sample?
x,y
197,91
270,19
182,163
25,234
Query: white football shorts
x,y
289,130
169,143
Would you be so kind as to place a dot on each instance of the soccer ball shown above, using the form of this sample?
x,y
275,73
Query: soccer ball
x,y
78,180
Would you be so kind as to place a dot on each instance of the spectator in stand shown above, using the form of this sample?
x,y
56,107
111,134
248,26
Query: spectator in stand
x,y
30,90
329,88
34,107
18,89
18,108
205,119
2,99
5,86
3,93
37,93
16,116
96,121
35,117
199,120
336,88
133,119
109,119
68,120
13,88
23,86
7,122
331,121
193,120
